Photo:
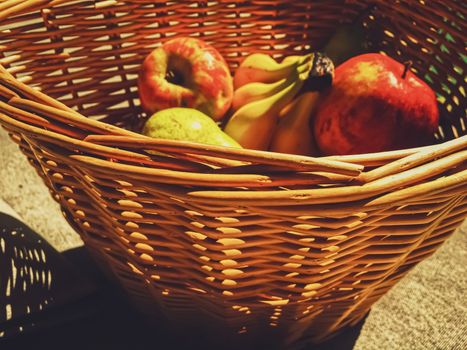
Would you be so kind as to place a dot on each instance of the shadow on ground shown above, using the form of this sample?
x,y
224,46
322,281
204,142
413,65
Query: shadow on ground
x,y
61,301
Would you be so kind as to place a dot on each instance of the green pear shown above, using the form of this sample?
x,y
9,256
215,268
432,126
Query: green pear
x,y
187,124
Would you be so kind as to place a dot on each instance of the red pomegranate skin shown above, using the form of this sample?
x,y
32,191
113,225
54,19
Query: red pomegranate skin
x,y
373,106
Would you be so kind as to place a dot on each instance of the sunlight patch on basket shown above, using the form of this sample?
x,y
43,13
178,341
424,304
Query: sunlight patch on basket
x,y
127,193
230,241
232,272
196,235
292,265
276,302
291,274
199,247
197,224
131,215
229,282
138,235
297,257
305,227
132,224
144,247
229,231
129,203
227,220
299,234
193,213
326,262
134,268
198,290
332,248
309,293
207,267
228,262
231,252
337,238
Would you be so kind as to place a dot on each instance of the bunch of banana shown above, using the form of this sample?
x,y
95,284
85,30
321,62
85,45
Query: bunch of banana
x,y
263,87
294,134
262,68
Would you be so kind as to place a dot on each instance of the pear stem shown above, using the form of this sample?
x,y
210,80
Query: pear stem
x,y
407,66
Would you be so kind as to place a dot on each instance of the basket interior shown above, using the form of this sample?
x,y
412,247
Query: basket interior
x,y
87,54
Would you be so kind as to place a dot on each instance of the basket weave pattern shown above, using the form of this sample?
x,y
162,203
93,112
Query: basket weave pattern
x,y
251,239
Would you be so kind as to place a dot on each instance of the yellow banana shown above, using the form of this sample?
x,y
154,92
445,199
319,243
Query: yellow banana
x,y
262,68
291,58
252,125
256,91
294,134
258,60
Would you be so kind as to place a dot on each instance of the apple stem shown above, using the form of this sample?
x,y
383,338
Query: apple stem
x,y
407,66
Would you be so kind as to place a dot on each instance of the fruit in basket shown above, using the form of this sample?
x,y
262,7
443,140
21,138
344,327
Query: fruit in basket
x,y
256,90
186,72
375,104
294,134
263,87
252,125
262,68
187,124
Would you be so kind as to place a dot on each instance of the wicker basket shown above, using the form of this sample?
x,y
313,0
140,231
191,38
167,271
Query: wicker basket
x,y
252,241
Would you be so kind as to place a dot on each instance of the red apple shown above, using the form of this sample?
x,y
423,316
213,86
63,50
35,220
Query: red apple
x,y
375,104
186,72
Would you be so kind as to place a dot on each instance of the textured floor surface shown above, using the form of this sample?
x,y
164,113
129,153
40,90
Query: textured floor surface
x,y
426,310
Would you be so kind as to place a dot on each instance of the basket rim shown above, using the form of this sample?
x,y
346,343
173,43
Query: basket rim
x,y
41,102
108,135
361,188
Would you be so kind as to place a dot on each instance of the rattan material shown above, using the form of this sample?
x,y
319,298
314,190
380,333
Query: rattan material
x,y
252,240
